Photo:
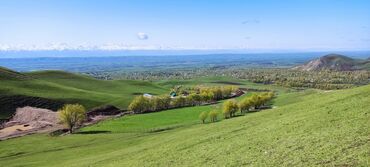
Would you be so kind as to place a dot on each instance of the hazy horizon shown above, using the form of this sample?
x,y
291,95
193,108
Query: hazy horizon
x,y
146,53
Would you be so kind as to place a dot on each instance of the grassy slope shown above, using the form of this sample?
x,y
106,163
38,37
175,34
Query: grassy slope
x,y
318,128
6,74
72,88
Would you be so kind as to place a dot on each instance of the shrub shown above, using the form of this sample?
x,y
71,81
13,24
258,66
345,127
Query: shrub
x,y
203,116
72,115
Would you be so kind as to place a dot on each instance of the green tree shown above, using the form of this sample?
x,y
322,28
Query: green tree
x,y
140,104
213,116
254,101
203,116
245,105
179,102
160,103
72,115
204,96
217,93
230,107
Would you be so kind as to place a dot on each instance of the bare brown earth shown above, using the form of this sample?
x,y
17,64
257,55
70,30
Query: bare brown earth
x,y
28,120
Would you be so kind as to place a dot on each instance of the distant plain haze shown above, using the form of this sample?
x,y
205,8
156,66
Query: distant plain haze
x,y
184,26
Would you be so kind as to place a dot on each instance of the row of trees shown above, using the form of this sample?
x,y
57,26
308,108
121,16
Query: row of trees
x,y
197,96
142,104
213,116
231,107
207,93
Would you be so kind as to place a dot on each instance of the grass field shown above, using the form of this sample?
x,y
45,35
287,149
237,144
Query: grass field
x,y
308,128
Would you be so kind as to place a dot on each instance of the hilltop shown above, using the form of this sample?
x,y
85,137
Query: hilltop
x,y
335,62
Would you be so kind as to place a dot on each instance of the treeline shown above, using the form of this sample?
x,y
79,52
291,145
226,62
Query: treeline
x,y
255,102
231,107
284,77
197,96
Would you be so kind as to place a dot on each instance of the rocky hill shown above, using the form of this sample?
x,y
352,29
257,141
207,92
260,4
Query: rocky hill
x,y
335,62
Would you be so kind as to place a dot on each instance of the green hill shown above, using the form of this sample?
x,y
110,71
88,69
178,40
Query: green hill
x,y
68,88
7,74
305,128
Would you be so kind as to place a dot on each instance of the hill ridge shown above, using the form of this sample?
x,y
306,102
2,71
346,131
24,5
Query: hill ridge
x,y
8,74
336,62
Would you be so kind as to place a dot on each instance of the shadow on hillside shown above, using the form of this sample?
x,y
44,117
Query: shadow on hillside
x,y
94,132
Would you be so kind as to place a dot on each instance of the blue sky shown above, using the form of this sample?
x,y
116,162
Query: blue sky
x,y
185,24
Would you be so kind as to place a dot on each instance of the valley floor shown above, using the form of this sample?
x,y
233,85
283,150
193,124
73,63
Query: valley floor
x,y
306,128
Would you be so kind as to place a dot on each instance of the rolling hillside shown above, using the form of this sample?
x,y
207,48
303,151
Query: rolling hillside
x,y
7,74
306,128
52,89
67,88
335,62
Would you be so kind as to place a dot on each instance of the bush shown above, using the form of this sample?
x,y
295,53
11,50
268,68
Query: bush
x,y
72,115
203,116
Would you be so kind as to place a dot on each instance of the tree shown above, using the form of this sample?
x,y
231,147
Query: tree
x,y
72,115
160,103
254,100
139,104
204,96
179,101
213,116
270,95
203,116
226,113
217,93
230,107
226,91
245,104
194,99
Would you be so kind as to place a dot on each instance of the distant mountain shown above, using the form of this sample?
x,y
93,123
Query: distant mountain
x,y
335,62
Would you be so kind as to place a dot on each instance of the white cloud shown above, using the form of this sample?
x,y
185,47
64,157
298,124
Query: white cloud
x,y
254,21
142,36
